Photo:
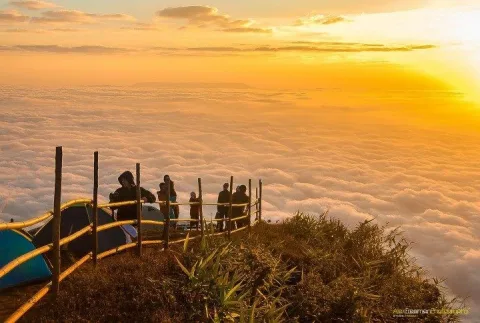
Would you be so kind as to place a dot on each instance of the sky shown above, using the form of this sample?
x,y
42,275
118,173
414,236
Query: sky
x,y
368,109
269,44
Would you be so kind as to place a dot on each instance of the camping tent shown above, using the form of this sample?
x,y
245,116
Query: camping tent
x,y
14,243
154,214
76,218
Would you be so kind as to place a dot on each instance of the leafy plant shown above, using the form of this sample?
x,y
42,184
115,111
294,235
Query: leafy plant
x,y
307,269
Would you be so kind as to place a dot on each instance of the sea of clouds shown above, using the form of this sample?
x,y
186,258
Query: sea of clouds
x,y
360,158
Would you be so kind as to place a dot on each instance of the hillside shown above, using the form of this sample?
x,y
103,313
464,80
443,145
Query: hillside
x,y
308,269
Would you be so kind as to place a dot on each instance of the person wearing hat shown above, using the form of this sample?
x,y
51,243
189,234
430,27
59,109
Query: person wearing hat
x,y
128,192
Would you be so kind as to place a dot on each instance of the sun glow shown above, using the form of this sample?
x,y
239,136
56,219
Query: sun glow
x,y
457,60
465,27
464,30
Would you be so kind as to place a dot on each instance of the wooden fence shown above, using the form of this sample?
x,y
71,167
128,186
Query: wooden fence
x,y
94,228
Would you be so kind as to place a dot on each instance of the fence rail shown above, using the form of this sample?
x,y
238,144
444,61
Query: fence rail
x,y
126,203
94,228
41,218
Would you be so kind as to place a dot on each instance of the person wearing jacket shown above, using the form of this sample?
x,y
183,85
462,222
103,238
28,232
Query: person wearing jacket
x,y
128,192
222,211
162,196
194,211
173,199
240,197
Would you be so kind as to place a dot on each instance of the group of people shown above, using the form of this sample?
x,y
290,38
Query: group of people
x,y
128,192
238,197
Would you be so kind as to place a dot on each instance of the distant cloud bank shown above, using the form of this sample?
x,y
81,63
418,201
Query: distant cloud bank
x,y
309,47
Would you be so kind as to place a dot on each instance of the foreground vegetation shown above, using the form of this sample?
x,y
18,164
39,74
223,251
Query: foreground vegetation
x,y
308,269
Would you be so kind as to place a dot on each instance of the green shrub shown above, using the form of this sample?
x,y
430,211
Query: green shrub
x,y
307,269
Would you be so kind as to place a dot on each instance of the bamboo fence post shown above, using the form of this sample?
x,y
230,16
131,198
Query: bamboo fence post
x,y
256,203
229,227
95,208
139,214
249,204
57,221
200,198
167,219
260,201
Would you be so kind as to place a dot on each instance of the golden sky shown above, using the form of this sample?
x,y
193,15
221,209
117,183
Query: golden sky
x,y
373,44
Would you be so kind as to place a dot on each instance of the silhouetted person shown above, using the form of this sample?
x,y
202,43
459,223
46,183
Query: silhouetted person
x,y
222,211
162,196
194,211
128,192
173,198
240,197
166,179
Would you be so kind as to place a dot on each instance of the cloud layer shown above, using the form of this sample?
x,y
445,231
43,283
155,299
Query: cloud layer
x,y
76,16
206,16
306,47
370,160
320,20
12,17
33,4
62,49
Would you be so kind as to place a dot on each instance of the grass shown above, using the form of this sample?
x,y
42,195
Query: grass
x,y
307,269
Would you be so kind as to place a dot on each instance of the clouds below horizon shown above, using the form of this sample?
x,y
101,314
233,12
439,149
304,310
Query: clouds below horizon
x,y
360,162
